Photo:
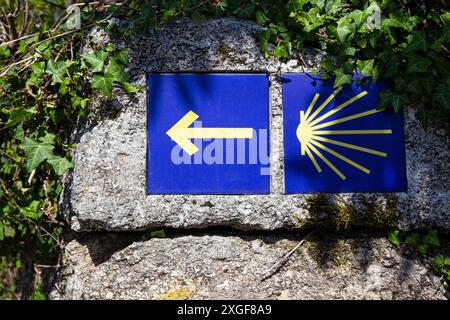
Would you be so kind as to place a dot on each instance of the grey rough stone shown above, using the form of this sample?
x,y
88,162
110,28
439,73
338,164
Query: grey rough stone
x,y
107,189
231,267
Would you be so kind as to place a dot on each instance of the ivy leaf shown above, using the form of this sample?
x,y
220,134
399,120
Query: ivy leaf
x,y
432,238
365,67
33,80
60,165
116,72
392,64
197,17
327,65
414,86
413,239
57,70
279,29
36,151
96,60
79,102
19,134
395,100
43,50
376,74
442,96
318,3
8,231
424,118
418,64
168,14
32,211
48,138
423,248
103,84
128,88
261,18
264,39
332,6
441,261
283,50
418,42
344,29
395,20
393,237
18,115
22,46
5,52
38,68
362,43
358,17
373,37
158,234
122,56
348,51
310,20
341,78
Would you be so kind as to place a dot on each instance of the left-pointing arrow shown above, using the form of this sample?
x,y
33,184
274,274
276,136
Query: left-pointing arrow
x,y
181,133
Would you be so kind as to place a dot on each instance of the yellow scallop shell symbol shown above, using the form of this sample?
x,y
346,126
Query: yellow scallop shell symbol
x,y
311,130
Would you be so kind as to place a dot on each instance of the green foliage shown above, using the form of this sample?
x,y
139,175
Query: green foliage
x,y
410,45
393,237
95,60
426,244
38,293
37,151
17,115
57,70
153,234
7,287
103,79
422,242
442,265
158,234
103,83
45,89
341,78
60,164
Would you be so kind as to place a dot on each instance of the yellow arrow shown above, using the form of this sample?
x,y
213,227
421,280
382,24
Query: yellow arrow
x,y
181,133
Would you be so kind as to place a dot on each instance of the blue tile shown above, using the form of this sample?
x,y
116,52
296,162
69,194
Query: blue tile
x,y
234,102
355,147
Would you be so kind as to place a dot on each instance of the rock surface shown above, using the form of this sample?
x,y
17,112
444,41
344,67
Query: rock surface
x,y
231,267
107,189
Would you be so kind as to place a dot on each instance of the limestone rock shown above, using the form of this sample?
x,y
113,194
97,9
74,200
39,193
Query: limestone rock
x,y
107,188
232,267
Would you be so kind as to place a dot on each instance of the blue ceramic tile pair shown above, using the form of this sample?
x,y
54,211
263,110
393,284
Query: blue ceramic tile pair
x,y
208,133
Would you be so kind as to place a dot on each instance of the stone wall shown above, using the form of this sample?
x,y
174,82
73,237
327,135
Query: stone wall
x,y
107,192
230,266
